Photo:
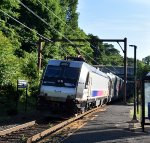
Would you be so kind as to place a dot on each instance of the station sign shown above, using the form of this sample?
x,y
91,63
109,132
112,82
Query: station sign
x,y
22,84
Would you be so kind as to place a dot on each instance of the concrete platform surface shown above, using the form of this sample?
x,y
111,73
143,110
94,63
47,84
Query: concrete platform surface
x,y
110,126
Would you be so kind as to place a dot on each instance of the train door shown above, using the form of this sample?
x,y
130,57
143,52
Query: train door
x,y
110,88
87,88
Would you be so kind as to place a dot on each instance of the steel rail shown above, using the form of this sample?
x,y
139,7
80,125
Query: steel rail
x,y
16,128
59,126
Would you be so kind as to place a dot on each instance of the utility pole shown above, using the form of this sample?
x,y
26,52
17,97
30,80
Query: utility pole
x,y
135,87
125,68
39,54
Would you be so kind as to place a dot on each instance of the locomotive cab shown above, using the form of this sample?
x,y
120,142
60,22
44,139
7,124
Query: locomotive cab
x,y
59,83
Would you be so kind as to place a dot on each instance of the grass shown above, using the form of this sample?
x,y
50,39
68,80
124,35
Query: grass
x,y
130,100
138,114
8,109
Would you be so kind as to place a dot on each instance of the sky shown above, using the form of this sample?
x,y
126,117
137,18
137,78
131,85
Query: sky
x,y
117,19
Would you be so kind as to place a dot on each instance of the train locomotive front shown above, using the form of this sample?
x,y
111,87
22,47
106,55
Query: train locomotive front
x,y
72,86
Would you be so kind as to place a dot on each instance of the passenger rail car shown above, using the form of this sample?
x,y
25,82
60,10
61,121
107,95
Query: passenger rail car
x,y
116,86
74,86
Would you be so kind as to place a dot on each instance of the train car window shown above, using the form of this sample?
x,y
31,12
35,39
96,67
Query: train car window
x,y
62,76
51,75
87,80
71,73
53,71
70,76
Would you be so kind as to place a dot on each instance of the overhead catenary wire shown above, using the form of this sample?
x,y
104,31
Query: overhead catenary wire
x,y
25,26
65,23
68,25
16,28
52,28
62,22
45,38
44,21
47,24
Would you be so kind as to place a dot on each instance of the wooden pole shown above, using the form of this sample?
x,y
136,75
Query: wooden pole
x,y
39,54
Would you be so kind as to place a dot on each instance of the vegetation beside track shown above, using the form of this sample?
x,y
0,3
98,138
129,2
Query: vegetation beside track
x,y
18,47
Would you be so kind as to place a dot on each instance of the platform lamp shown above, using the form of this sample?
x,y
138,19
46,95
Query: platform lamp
x,y
135,87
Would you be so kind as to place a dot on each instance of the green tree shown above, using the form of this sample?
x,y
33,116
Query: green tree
x,y
130,62
6,23
112,56
51,28
146,60
98,49
8,65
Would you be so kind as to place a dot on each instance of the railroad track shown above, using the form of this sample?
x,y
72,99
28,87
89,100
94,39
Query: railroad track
x,y
33,132
24,131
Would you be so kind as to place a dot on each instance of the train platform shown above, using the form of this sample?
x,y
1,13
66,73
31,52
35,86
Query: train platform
x,y
110,126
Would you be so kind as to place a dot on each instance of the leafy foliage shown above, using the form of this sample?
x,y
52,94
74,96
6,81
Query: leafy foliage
x,y
18,45
8,65
146,60
143,69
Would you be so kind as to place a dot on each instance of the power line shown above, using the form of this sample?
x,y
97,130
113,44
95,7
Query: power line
x,y
65,23
45,22
29,28
68,25
51,27
25,26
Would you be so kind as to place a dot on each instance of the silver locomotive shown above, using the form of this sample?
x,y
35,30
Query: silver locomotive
x,y
75,86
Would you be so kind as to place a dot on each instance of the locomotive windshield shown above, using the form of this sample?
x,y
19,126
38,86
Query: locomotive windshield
x,y
62,76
